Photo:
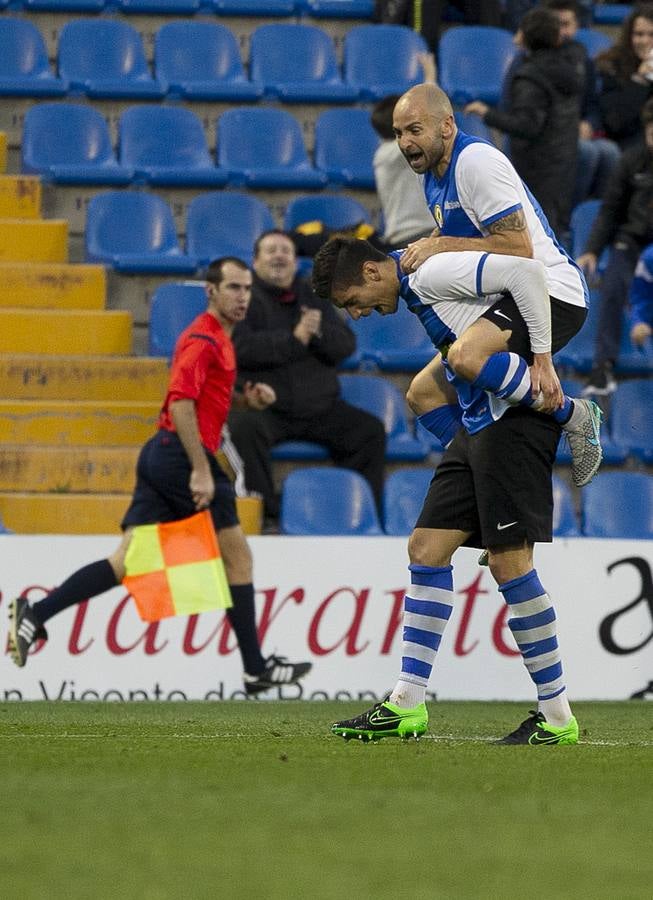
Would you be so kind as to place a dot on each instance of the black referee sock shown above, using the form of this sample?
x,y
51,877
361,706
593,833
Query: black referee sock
x,y
242,618
87,582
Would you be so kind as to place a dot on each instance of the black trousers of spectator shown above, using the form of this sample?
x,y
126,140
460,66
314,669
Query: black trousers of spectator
x,y
425,16
354,438
613,297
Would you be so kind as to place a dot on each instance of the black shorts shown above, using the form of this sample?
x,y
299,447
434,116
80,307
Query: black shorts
x,y
496,484
566,321
162,492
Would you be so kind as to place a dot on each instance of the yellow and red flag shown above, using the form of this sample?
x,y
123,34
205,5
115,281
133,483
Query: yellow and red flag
x,y
175,569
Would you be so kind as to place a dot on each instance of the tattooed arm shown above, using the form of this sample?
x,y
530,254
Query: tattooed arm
x,y
508,235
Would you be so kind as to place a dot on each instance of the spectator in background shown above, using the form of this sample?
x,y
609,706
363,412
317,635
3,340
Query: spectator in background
x,y
625,224
294,341
626,73
641,299
597,156
406,217
542,114
425,16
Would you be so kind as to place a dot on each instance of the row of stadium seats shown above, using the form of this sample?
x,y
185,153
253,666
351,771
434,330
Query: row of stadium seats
x,y
258,147
321,9
105,58
627,435
332,501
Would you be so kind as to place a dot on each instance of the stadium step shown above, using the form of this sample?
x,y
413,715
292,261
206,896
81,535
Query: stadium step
x,y
74,513
40,240
45,469
37,377
56,285
20,197
65,331
85,423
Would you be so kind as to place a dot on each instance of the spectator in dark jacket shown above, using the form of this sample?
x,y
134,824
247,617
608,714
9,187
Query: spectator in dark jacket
x,y
425,16
297,340
542,115
625,225
626,73
597,155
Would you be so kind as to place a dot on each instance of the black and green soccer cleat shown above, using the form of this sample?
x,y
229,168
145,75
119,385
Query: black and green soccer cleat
x,y
384,720
536,730
24,630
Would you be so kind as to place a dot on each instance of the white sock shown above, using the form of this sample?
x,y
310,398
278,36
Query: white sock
x,y
407,694
556,711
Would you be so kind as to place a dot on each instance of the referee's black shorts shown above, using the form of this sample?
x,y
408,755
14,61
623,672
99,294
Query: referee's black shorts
x,y
162,492
496,484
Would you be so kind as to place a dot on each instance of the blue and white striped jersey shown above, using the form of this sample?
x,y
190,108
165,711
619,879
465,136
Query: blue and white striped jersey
x,y
480,186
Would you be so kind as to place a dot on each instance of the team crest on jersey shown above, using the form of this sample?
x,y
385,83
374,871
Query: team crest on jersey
x,y
437,215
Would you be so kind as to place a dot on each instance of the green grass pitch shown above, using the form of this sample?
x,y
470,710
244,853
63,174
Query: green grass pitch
x,y
258,800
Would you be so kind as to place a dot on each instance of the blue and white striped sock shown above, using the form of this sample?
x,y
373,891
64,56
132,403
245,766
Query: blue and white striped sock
x,y
443,422
427,608
533,624
506,375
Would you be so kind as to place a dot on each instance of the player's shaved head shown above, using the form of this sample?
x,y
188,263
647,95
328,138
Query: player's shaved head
x,y
424,127
427,98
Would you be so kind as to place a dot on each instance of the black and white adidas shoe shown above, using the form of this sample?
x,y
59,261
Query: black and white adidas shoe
x,y
24,630
277,672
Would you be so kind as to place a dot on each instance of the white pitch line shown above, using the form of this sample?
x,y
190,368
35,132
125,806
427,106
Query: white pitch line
x,y
180,736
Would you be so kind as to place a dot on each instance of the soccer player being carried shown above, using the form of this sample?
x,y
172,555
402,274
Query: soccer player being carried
x,y
493,486
479,202
177,475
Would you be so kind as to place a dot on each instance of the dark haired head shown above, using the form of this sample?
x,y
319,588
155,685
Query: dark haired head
x,y
214,272
540,29
381,116
560,5
339,263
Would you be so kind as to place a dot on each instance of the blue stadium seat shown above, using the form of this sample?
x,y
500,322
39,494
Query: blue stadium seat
x,y
133,231
610,13
335,210
159,7
264,148
632,422
59,6
225,223
69,143
173,308
338,9
403,495
297,64
201,61
633,360
565,523
578,353
300,451
472,62
328,501
473,125
618,505
593,40
395,343
166,145
382,59
581,222
345,144
253,7
380,397
24,66
105,58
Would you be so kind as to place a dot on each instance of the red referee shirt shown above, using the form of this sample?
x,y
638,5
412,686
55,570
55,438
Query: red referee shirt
x,y
204,370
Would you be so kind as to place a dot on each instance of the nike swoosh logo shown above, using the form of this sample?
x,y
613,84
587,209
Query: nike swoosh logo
x,y
507,525
378,719
536,739
503,315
